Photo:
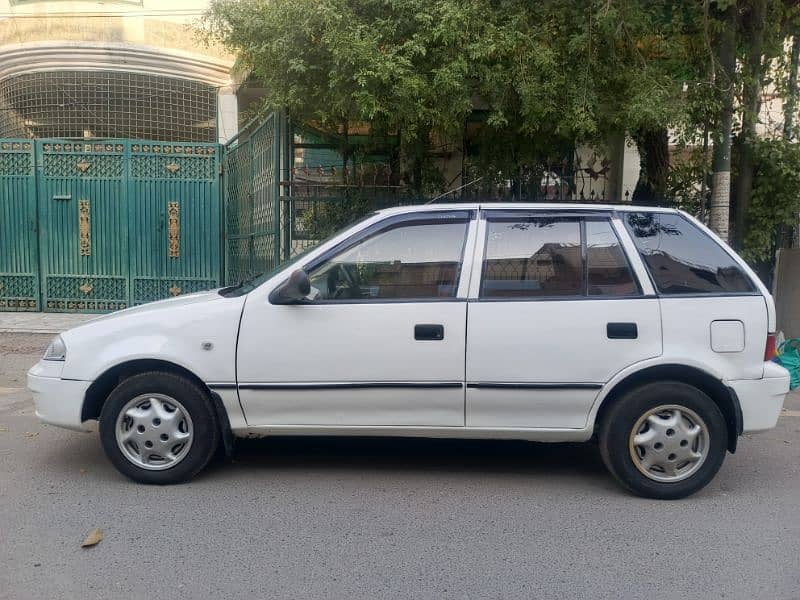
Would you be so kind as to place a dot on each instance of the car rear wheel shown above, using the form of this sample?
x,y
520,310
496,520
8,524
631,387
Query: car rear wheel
x,y
664,440
159,428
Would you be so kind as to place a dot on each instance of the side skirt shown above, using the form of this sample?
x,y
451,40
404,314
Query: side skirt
x,y
504,433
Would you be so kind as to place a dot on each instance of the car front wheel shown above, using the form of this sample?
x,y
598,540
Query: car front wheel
x,y
159,428
664,440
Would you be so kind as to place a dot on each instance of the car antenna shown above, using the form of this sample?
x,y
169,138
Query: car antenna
x,y
458,189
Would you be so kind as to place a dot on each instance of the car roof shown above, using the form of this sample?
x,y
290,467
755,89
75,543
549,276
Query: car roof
x,y
528,206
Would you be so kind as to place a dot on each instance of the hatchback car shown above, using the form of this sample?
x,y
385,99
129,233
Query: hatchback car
x,y
636,327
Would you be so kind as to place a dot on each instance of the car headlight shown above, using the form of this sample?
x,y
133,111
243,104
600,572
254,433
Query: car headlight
x,y
57,350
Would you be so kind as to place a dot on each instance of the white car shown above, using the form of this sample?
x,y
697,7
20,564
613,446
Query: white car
x,y
636,327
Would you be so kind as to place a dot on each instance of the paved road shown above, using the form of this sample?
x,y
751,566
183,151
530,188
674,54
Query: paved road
x,y
385,519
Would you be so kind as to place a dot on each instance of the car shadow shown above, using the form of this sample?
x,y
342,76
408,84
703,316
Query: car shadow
x,y
421,454
579,464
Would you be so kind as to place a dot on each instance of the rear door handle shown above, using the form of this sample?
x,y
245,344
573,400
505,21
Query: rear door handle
x,y
622,331
428,332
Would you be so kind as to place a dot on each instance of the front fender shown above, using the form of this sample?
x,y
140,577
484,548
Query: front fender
x,y
179,334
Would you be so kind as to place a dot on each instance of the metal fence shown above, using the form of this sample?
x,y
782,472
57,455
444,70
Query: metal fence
x,y
251,183
313,210
278,201
285,191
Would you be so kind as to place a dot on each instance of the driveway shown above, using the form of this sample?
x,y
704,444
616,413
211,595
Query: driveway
x,y
327,518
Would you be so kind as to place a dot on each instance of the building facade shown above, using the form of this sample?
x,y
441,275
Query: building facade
x,y
113,68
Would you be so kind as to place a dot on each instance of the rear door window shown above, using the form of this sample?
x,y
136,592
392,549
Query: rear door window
x,y
528,258
554,257
682,259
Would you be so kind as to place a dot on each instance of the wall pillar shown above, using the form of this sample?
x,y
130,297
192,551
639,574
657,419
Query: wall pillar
x,y
227,114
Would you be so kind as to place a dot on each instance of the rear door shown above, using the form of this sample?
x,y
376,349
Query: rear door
x,y
555,312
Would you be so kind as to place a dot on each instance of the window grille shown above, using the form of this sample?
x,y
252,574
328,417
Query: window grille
x,y
107,104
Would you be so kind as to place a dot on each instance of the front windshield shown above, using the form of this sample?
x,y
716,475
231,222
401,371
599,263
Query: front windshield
x,y
248,285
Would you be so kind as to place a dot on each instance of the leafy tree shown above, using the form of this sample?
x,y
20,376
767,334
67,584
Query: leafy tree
x,y
402,67
529,80
542,75
723,74
776,195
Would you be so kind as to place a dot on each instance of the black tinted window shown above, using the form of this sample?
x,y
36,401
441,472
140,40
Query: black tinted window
x,y
421,261
607,266
681,258
533,257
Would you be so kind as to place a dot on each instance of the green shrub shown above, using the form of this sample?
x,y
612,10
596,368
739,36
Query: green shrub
x,y
776,195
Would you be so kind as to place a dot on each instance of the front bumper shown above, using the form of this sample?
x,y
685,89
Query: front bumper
x,y
58,401
762,399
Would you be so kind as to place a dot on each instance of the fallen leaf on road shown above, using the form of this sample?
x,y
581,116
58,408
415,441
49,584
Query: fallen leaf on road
x,y
83,470
31,433
95,537
3,428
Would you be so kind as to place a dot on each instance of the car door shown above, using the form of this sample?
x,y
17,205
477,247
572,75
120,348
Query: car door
x,y
380,340
555,311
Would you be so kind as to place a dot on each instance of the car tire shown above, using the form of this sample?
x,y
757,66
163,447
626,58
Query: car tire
x,y
650,439
159,428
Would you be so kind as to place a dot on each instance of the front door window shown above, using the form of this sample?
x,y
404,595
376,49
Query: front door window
x,y
416,260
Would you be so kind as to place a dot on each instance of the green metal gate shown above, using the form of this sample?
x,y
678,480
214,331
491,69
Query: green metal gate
x,y
19,269
84,235
120,223
251,173
174,210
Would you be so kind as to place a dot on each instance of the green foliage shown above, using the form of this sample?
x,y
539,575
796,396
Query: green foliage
x,y
526,80
776,195
543,75
686,176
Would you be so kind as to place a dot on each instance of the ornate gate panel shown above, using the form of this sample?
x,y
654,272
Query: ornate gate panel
x,y
83,225
174,216
238,185
19,269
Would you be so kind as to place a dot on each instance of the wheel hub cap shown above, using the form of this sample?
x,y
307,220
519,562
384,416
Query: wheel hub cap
x,y
669,443
154,431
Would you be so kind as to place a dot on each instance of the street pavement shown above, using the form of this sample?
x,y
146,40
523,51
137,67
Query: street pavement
x,y
366,518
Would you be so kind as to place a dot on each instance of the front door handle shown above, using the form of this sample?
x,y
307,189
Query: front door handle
x,y
622,331
428,332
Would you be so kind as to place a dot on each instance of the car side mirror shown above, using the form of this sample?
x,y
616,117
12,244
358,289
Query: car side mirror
x,y
294,290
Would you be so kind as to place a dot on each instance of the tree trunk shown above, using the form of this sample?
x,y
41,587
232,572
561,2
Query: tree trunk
x,y
418,149
613,189
653,145
345,149
725,68
752,76
791,92
704,182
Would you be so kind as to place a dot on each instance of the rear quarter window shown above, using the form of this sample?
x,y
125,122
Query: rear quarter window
x,y
682,259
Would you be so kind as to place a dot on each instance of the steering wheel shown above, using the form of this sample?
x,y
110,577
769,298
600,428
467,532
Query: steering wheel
x,y
350,289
